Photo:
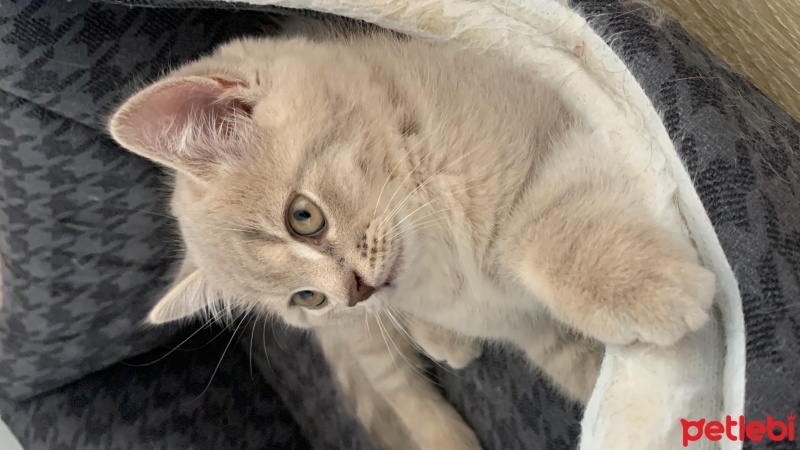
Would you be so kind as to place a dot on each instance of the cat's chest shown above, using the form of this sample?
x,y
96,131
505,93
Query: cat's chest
x,y
454,291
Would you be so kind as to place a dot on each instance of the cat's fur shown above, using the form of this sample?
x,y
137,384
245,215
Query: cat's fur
x,y
507,221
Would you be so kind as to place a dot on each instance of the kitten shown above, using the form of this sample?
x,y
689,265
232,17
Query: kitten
x,y
445,194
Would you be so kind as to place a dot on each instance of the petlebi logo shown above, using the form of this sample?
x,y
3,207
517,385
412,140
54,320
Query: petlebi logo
x,y
737,429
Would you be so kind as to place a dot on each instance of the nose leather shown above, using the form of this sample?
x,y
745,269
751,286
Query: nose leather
x,y
358,291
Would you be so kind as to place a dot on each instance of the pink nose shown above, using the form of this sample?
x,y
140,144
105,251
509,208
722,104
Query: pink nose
x,y
358,291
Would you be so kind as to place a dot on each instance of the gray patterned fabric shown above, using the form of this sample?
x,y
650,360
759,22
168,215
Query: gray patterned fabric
x,y
86,248
85,244
164,399
507,405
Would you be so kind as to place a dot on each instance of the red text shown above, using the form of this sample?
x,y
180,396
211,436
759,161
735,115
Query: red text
x,y
739,430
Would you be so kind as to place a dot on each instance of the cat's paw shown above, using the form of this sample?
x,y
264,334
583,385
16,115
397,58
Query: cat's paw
x,y
672,300
456,354
444,346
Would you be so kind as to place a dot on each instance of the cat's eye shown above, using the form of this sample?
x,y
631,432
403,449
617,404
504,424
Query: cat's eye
x,y
304,217
309,299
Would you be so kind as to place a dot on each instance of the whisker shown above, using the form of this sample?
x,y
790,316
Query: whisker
x,y
165,216
385,183
400,352
383,334
400,328
428,204
400,222
408,197
419,227
429,179
421,350
252,335
208,323
410,173
366,324
216,369
199,329
451,193
264,344
416,225
275,336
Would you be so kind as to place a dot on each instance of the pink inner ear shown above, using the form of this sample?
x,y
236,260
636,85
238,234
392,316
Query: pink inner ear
x,y
186,123
229,82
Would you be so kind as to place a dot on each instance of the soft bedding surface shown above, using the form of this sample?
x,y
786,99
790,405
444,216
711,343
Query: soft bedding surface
x,y
85,249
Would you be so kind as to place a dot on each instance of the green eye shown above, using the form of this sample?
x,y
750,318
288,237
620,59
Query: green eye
x,y
304,217
309,299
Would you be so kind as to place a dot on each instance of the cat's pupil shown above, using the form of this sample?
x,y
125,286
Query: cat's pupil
x,y
301,215
305,295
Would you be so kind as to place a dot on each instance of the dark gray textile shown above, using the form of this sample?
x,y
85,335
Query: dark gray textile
x,y
85,244
86,251
294,365
498,395
166,399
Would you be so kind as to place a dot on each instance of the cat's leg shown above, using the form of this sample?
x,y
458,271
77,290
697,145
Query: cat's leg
x,y
608,271
443,345
571,361
381,376
585,245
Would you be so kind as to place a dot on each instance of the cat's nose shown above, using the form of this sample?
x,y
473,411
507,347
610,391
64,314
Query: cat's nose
x,y
358,291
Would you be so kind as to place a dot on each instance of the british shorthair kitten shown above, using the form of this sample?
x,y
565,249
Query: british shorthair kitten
x,y
393,194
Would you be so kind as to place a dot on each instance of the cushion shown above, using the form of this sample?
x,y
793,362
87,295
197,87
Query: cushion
x,y
731,153
192,394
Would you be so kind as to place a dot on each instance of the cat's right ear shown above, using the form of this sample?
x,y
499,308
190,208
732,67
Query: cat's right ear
x,y
187,297
193,124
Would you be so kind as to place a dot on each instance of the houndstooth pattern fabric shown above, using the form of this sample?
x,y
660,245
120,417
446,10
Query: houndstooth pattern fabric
x,y
85,242
65,64
200,396
86,246
506,404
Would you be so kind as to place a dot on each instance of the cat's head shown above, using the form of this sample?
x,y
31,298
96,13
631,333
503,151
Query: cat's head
x,y
286,189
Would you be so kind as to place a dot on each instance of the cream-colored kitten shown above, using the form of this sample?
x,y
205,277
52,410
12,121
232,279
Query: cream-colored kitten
x,y
443,194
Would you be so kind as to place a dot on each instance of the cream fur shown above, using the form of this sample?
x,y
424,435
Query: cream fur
x,y
510,222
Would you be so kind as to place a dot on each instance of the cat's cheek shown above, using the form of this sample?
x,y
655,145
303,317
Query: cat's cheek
x,y
295,317
303,318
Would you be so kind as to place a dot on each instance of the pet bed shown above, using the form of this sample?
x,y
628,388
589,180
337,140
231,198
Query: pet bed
x,y
718,160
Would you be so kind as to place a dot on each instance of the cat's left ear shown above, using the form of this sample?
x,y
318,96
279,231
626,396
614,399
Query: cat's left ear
x,y
194,124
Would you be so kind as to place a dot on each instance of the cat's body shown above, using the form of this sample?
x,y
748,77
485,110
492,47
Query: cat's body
x,y
457,200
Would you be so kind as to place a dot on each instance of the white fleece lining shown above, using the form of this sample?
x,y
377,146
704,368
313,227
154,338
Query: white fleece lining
x,y
642,392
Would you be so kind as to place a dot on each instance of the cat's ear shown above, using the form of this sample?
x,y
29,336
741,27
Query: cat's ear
x,y
187,297
194,124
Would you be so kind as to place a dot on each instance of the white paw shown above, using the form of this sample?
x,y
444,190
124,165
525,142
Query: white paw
x,y
445,346
457,355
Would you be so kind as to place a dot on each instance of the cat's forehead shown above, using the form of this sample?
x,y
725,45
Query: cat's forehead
x,y
258,195
321,138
